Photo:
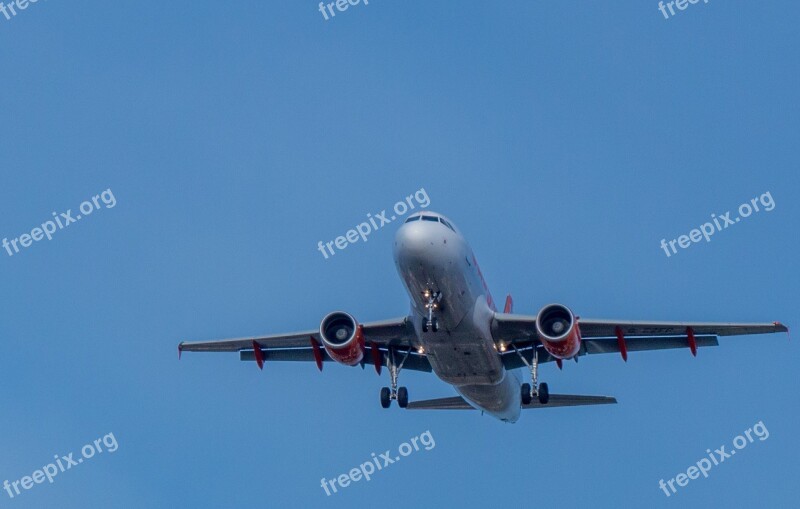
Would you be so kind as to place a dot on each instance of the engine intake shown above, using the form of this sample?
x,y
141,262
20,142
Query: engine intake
x,y
343,338
558,331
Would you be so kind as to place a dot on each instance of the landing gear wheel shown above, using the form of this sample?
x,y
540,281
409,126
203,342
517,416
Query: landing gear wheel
x,y
540,390
424,325
435,326
385,397
402,397
526,394
544,394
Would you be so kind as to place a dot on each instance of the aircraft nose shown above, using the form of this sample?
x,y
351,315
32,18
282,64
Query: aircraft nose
x,y
412,240
424,242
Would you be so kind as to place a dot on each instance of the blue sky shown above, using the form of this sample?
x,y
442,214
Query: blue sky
x,y
565,139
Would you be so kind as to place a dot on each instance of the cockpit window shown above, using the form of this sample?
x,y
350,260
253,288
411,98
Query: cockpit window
x,y
430,218
412,218
446,224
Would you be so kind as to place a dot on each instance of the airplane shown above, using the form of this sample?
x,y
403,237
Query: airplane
x,y
455,331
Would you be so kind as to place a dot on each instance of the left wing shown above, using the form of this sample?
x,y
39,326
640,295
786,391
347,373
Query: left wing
x,y
395,332
298,346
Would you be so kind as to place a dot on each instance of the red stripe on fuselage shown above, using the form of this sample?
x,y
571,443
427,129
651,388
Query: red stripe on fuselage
x,y
489,299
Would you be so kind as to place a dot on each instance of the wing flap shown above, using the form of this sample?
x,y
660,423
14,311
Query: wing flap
x,y
639,335
598,328
610,345
414,362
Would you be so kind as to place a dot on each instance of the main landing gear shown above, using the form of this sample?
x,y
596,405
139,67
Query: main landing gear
x,y
528,391
399,394
432,302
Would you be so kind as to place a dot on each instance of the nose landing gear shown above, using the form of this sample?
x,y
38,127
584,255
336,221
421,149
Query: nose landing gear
x,y
433,300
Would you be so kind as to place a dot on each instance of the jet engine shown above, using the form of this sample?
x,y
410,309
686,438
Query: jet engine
x,y
343,338
558,331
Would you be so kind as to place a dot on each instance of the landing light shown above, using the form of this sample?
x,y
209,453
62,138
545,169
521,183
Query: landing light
x,y
502,347
421,350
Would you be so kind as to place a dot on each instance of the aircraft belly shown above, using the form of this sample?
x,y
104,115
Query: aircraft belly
x,y
464,361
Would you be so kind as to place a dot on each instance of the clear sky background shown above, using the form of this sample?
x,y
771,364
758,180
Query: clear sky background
x,y
564,138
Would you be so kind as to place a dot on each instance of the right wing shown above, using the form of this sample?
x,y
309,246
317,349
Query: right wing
x,y
600,336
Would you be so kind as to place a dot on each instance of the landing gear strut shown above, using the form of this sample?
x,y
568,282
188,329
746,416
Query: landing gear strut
x,y
528,391
394,393
433,299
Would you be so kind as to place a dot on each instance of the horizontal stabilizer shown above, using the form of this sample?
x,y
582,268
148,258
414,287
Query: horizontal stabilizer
x,y
556,400
453,403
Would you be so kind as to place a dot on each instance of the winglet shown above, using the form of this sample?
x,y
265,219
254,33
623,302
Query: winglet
x,y
376,357
259,354
783,327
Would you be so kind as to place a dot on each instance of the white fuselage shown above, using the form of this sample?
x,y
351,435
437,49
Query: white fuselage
x,y
429,255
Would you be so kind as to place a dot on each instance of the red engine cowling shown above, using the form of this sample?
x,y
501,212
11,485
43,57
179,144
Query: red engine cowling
x,y
558,331
343,338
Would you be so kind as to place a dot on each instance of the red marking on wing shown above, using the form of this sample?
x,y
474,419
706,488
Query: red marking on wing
x,y
623,348
317,352
692,342
376,358
259,355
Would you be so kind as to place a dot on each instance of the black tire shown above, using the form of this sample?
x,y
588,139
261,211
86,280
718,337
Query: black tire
x,y
544,394
385,400
402,397
526,394
435,325
424,325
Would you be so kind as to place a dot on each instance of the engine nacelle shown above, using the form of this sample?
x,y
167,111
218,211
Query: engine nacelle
x,y
558,331
343,338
